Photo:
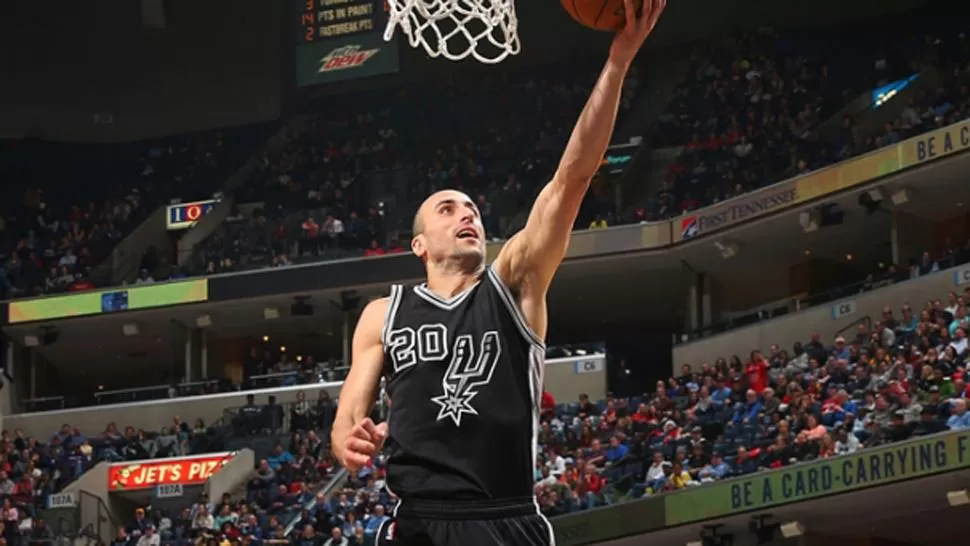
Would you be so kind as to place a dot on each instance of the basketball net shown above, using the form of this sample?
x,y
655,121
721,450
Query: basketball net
x,y
456,29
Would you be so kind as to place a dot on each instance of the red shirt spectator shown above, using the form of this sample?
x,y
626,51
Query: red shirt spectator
x,y
81,285
757,372
374,250
548,404
594,482
311,228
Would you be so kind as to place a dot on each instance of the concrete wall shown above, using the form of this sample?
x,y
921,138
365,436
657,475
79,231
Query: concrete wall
x,y
232,474
825,319
562,380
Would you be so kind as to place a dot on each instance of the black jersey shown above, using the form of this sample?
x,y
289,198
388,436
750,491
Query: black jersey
x,y
464,378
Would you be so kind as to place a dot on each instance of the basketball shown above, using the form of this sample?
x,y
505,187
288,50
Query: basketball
x,y
599,14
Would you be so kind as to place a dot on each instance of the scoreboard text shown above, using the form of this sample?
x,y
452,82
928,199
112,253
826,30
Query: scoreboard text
x,y
322,19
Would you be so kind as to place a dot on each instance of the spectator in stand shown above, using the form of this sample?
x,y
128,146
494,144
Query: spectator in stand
x,y
459,134
53,237
960,417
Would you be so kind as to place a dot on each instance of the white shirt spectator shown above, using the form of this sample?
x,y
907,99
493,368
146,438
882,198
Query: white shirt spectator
x,y
336,227
557,465
656,471
851,444
743,149
150,538
959,345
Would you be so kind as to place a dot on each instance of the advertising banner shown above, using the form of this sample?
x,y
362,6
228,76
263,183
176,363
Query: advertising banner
x,y
97,302
867,468
185,215
346,58
736,211
827,181
149,474
936,144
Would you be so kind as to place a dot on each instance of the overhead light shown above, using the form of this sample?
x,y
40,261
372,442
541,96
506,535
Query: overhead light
x,y
204,321
271,313
130,329
265,339
32,341
901,197
792,529
957,498
727,249
809,221
808,252
848,256
282,348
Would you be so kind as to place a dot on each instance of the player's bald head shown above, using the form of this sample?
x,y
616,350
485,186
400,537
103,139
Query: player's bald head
x,y
433,200
436,227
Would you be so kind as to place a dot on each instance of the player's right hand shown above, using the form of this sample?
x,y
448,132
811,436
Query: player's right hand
x,y
358,448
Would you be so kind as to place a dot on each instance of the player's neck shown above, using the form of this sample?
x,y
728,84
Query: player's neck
x,y
449,282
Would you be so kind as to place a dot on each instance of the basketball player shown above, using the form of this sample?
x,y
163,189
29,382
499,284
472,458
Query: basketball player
x,y
463,353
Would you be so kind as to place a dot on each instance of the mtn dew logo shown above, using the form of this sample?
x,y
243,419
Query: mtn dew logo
x,y
344,57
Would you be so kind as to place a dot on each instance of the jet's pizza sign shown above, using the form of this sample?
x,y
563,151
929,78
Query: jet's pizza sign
x,y
180,470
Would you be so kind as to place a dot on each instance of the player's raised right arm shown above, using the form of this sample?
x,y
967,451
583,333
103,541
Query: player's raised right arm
x,y
355,439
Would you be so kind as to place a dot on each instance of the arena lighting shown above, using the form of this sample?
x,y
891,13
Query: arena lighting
x,y
130,329
766,531
710,537
869,203
204,321
727,249
47,336
877,194
900,197
809,221
271,313
792,529
958,498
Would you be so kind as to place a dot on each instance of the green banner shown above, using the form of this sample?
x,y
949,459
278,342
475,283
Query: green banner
x,y
861,470
345,58
97,302
609,523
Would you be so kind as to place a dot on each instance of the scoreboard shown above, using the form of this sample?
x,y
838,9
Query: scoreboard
x,y
342,40
323,19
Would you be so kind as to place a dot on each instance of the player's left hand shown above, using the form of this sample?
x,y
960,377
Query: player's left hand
x,y
639,25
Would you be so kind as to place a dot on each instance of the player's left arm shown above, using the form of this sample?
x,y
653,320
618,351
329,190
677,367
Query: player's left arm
x,y
528,261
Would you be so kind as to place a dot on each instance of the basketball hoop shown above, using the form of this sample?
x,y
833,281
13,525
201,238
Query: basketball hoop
x,y
456,29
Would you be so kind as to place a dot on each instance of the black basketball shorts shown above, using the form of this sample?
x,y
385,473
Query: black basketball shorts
x,y
465,523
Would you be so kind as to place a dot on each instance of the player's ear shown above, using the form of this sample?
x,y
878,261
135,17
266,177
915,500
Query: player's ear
x,y
418,246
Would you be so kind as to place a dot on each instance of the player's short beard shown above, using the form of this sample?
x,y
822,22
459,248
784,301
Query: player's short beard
x,y
463,260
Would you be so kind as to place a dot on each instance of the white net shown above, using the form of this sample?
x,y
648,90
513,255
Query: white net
x,y
456,29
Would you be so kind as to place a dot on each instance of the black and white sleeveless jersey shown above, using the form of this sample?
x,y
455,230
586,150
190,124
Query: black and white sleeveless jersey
x,y
464,378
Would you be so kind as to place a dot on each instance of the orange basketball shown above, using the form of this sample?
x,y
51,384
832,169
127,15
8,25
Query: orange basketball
x,y
599,14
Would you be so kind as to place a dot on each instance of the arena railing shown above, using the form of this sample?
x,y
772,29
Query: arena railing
x,y
795,305
181,390
291,416
327,490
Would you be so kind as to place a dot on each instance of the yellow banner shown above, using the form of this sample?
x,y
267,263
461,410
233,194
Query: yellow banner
x,y
935,144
